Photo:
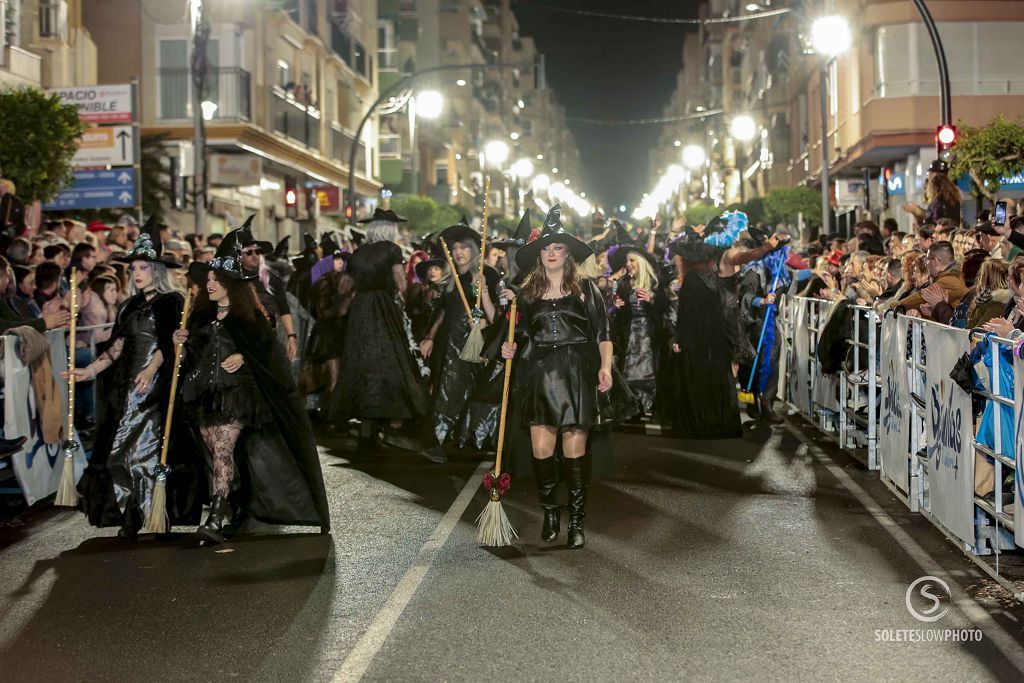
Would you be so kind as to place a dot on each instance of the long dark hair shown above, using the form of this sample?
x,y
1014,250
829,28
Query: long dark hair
x,y
940,187
241,297
537,284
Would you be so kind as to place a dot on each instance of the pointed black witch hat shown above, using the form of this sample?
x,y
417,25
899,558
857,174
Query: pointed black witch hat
x,y
552,232
148,247
459,232
281,250
519,237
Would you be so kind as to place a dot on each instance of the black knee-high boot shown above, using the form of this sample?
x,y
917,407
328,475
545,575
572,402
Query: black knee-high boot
x,y
577,478
546,473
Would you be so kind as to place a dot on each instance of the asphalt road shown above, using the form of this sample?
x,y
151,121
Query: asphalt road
x,y
772,557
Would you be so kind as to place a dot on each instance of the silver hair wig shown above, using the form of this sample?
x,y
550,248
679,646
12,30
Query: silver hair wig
x,y
161,279
381,231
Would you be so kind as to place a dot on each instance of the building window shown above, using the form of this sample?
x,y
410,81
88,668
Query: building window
x,y
441,173
284,78
387,48
978,53
390,145
175,88
53,19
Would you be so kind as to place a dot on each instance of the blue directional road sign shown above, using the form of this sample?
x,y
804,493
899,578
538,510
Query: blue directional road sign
x,y
97,190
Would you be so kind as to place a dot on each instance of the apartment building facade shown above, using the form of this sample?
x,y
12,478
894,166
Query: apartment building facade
x,y
286,87
883,104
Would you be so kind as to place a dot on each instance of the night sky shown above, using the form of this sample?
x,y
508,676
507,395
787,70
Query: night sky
x,y
610,69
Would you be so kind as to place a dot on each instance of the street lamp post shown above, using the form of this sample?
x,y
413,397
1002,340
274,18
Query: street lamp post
x,y
830,36
397,87
200,31
742,129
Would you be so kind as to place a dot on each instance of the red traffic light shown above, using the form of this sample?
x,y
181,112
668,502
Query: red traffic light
x,y
348,211
945,135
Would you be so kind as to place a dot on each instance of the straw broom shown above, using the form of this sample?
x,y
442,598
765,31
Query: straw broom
x,y
67,495
493,526
475,341
157,521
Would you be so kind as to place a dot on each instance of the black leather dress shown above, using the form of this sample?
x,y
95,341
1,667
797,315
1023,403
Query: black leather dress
x,y
562,359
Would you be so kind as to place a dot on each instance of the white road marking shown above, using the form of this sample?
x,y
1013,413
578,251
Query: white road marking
x,y
993,631
359,659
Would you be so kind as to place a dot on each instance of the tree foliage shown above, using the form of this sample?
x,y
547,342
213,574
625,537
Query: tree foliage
x,y
786,204
37,140
701,214
424,214
989,153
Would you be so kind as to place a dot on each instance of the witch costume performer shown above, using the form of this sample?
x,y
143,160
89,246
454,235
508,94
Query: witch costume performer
x,y
134,377
457,379
638,327
238,391
382,378
564,355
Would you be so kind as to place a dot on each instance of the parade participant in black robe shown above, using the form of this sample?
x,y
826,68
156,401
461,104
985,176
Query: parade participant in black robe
x,y
705,387
134,383
331,298
300,283
423,294
563,366
238,392
638,329
457,379
381,378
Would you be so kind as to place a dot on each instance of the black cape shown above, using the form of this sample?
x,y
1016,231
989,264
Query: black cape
x,y
278,463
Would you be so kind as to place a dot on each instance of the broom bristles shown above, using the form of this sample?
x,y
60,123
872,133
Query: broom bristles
x,y
67,496
156,521
474,345
493,527
746,397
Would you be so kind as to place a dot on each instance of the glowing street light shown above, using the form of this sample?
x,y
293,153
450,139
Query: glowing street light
x,y
831,35
496,153
541,183
429,104
522,168
694,157
743,128
209,109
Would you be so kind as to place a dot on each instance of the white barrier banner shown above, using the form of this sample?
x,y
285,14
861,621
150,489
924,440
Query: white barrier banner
x,y
799,375
1018,440
37,466
894,416
950,433
826,387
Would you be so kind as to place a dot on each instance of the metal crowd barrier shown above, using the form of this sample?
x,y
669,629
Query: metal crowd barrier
x,y
868,391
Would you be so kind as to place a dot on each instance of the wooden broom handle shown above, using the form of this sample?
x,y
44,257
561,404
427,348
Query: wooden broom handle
x,y
458,283
504,390
174,381
71,354
483,241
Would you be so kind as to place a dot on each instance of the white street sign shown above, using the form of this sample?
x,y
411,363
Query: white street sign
x,y
105,146
99,103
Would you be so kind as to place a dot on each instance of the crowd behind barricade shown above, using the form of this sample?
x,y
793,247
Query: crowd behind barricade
x,y
396,341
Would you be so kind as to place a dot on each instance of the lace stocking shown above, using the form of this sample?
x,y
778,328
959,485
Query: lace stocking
x,y
221,440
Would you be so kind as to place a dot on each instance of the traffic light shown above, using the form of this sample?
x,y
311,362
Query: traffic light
x,y
945,141
348,212
291,197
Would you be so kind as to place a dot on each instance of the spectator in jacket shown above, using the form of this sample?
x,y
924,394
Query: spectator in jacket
x,y
947,283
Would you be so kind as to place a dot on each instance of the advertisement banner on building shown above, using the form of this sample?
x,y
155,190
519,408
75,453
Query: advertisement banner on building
x,y
235,169
799,376
950,433
99,103
38,465
329,199
894,415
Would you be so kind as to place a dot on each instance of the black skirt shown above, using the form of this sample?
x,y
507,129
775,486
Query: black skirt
x,y
560,390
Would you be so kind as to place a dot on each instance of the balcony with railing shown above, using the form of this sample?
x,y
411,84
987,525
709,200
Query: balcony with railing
x,y
297,121
342,140
390,146
229,88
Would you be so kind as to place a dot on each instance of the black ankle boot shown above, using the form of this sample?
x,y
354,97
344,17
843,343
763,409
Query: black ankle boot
x,y
546,473
131,522
213,529
577,478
